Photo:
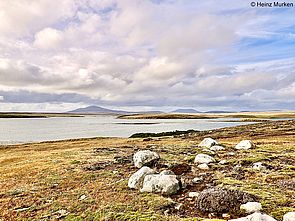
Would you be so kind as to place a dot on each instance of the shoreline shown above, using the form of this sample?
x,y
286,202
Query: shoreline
x,y
175,133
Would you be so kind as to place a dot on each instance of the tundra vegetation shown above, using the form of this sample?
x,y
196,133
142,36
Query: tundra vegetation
x,y
87,179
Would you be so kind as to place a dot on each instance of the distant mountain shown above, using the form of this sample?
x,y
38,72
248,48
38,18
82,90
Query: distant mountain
x,y
219,112
97,110
101,110
186,111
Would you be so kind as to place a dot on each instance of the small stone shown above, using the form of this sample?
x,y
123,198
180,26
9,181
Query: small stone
x,y
222,162
290,216
251,207
22,209
193,194
203,166
166,212
244,145
83,197
258,166
203,158
226,216
231,153
178,206
61,213
208,142
217,148
197,180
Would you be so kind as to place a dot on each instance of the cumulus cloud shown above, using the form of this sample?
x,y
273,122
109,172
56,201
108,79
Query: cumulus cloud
x,y
145,53
48,38
24,17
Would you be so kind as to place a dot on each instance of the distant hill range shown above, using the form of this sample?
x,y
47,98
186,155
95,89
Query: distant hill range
x,y
186,111
101,110
193,111
219,112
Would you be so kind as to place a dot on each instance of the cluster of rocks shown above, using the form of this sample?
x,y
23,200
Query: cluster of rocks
x,y
214,200
148,180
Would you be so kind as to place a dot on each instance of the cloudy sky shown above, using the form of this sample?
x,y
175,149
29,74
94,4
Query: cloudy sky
x,y
145,54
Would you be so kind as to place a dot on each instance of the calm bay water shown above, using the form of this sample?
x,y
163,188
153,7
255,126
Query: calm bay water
x,y
24,130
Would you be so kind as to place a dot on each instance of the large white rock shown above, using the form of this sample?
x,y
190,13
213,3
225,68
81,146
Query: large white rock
x,y
216,148
144,157
203,158
208,142
251,207
255,217
290,216
244,145
136,180
165,184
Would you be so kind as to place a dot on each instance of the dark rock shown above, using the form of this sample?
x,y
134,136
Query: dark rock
x,y
220,200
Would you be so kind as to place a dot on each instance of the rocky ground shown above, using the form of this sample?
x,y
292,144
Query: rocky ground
x,y
87,179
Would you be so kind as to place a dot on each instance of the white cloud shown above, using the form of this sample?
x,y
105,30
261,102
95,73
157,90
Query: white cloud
x,y
140,52
48,38
18,18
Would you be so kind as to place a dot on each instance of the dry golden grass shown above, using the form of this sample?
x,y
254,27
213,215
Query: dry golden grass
x,y
249,115
41,178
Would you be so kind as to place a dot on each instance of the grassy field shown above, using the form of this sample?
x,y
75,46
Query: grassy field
x,y
86,179
244,115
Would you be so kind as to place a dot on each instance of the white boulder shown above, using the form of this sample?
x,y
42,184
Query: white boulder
x,y
217,148
290,216
144,157
203,158
244,145
255,217
251,207
164,184
208,142
136,180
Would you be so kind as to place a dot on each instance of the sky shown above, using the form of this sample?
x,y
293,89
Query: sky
x,y
146,55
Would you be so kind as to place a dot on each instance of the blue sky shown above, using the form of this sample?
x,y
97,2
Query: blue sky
x,y
141,54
